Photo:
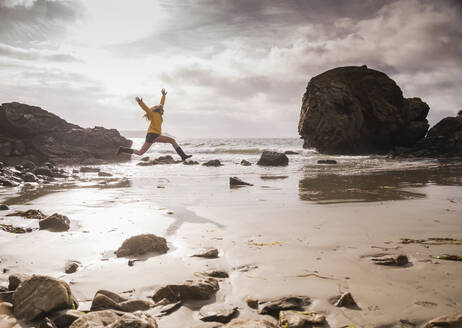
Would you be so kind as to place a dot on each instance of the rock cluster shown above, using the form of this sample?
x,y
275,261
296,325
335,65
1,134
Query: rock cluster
x,y
31,133
357,110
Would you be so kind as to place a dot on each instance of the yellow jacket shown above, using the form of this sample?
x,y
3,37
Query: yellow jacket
x,y
154,117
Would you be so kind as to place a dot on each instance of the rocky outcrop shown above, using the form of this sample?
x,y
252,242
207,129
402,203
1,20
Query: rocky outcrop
x,y
356,110
41,295
31,133
442,140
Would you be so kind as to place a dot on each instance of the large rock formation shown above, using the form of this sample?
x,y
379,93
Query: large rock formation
x,y
356,110
29,132
442,140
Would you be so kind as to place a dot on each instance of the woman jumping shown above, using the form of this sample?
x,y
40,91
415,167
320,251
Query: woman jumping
x,y
154,115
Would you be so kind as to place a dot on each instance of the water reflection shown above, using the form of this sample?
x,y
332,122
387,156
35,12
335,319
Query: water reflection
x,y
376,186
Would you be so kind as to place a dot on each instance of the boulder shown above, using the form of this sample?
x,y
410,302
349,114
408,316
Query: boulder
x,y
217,312
55,223
31,133
39,296
142,244
454,321
273,306
202,289
65,318
208,253
250,324
391,260
273,158
234,181
296,319
96,319
213,162
357,110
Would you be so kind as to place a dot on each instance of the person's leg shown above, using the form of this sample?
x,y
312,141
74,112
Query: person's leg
x,y
164,139
143,149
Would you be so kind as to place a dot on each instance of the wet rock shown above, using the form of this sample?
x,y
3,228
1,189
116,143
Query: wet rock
x,y
252,303
4,207
71,266
272,158
45,171
274,305
250,324
208,253
142,244
327,161
55,223
296,319
30,177
41,295
234,181
29,214
344,300
65,318
104,174
7,182
145,159
96,319
46,323
88,169
217,312
245,163
454,321
106,300
356,110
213,162
202,289
135,320
190,162
12,229
216,273
291,152
15,280
392,260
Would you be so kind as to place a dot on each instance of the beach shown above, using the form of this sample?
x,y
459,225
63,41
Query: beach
x,y
306,229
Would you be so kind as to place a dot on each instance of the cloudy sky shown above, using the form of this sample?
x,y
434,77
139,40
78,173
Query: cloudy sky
x,y
233,68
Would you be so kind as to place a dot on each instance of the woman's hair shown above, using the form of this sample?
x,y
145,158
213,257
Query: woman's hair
x,y
156,108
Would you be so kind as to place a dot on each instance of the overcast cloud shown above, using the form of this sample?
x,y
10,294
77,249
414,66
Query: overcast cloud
x,y
233,68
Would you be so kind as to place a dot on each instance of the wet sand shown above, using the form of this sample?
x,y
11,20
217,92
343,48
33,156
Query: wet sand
x,y
307,234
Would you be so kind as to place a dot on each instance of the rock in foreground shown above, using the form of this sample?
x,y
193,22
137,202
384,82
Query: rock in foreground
x,y
41,295
273,158
217,313
356,110
31,133
142,244
55,223
445,321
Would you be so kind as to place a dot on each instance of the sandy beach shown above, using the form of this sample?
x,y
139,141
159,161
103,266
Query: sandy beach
x,y
306,229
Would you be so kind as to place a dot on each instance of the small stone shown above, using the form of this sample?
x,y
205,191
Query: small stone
x,y
202,289
145,159
345,300
55,223
252,303
72,266
217,312
234,181
392,260
296,319
190,162
104,174
30,177
4,207
245,163
275,305
214,162
327,161
208,253
216,273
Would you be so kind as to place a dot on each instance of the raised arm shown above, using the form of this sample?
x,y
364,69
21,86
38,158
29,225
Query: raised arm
x,y
162,100
142,104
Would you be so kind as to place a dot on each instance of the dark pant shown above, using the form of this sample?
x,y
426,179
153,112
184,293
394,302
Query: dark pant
x,y
150,137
